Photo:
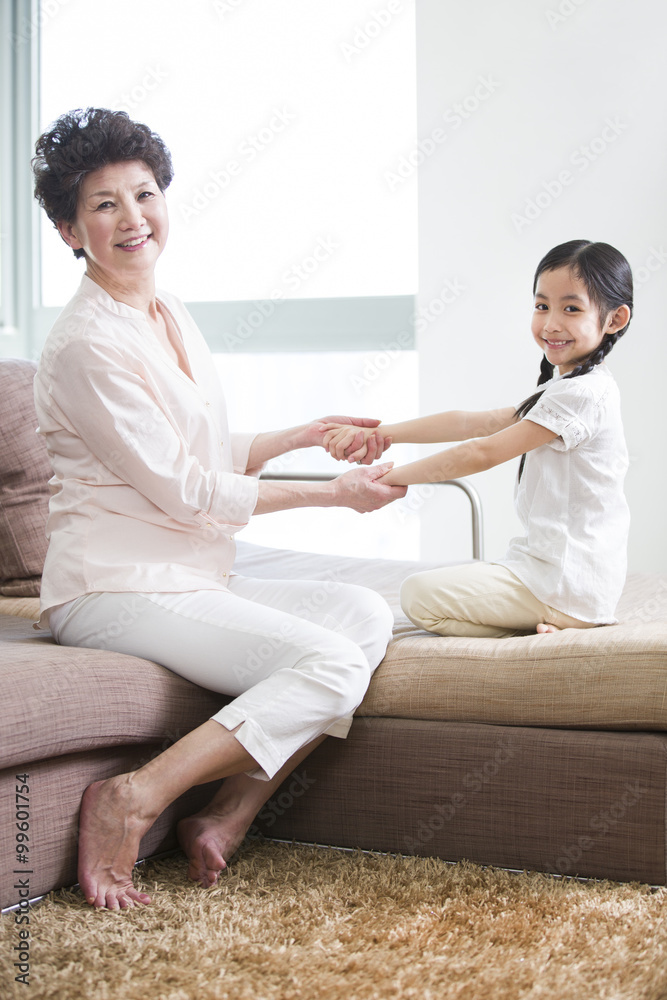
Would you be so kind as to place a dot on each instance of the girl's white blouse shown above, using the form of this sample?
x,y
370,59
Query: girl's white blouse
x,y
573,551
149,487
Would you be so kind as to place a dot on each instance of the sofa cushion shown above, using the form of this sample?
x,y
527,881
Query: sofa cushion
x,y
614,677
25,471
60,700
22,607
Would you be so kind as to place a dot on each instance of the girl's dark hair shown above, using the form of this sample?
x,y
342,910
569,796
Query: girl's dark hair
x,y
82,141
607,277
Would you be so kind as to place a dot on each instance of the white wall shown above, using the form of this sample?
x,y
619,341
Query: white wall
x,y
547,86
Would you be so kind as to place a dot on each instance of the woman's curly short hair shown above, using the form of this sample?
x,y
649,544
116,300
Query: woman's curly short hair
x,y
85,140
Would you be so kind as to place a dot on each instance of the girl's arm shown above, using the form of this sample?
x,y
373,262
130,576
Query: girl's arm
x,y
270,444
472,456
454,425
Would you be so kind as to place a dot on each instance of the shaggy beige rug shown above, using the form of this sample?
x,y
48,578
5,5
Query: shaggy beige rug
x,y
308,923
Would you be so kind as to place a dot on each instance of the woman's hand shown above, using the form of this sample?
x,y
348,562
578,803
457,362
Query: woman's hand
x,y
356,444
360,489
366,440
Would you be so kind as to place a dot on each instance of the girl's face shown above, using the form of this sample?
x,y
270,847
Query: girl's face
x,y
121,221
566,324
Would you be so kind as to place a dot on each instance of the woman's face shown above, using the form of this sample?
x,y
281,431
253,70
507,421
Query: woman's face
x,y
121,221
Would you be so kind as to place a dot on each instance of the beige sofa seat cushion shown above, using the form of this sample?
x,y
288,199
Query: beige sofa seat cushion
x,y
606,678
22,607
613,677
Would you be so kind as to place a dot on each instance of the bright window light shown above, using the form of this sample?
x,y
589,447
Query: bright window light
x,y
267,391
283,118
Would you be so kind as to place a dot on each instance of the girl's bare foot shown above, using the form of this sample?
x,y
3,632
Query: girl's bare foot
x,y
543,627
112,822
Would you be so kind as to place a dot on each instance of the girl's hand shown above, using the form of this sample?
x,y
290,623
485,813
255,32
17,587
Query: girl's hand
x,y
354,443
371,442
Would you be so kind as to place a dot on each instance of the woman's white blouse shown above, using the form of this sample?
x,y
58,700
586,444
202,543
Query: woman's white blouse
x,y
573,551
149,487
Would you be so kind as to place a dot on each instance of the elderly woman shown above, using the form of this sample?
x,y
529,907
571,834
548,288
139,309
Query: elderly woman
x,y
149,490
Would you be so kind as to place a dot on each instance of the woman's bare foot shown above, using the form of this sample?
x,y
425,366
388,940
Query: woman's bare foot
x,y
543,628
111,825
212,836
208,838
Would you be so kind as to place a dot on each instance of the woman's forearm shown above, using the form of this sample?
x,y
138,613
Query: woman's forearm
x,y
270,444
359,489
273,496
453,425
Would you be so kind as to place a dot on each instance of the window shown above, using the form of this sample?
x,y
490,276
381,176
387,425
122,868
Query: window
x,y
282,117
372,384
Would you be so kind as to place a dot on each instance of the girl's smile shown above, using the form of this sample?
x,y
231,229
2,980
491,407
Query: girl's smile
x,y
566,323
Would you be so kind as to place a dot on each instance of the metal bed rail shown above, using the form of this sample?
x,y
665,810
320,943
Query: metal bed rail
x,y
462,484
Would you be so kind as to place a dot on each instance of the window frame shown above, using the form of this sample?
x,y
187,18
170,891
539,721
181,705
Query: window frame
x,y
19,55
360,323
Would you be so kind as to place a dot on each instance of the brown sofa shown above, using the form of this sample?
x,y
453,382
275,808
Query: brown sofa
x,y
543,752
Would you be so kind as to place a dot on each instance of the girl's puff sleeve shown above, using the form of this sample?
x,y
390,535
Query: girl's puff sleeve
x,y
570,408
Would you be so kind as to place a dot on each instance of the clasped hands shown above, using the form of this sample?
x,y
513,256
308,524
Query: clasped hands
x,y
361,440
352,439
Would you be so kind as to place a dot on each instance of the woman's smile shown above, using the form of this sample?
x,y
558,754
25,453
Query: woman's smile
x,y
135,244
121,223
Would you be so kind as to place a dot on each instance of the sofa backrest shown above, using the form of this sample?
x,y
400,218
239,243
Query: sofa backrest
x,y
25,471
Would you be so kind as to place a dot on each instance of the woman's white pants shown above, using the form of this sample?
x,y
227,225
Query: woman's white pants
x,y
296,655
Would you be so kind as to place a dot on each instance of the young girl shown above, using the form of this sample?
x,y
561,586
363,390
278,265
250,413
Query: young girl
x,y
567,568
